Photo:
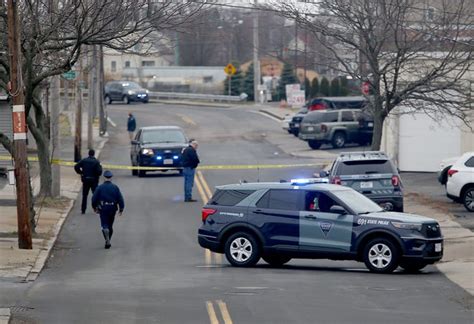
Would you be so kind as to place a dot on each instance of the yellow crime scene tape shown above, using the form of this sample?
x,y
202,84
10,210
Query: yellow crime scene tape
x,y
203,167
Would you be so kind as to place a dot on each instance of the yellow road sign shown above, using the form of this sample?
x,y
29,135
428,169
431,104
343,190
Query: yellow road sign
x,y
230,69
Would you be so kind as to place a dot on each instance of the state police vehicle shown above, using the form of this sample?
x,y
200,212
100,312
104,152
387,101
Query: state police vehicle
x,y
281,221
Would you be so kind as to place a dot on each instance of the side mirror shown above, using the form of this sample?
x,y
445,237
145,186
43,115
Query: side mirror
x,y
336,209
134,142
323,174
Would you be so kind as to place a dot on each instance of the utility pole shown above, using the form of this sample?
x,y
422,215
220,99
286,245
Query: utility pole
x,y
296,51
102,113
78,134
256,63
19,130
92,94
55,141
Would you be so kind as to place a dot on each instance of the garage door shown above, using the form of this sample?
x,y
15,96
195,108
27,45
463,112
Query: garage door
x,y
423,143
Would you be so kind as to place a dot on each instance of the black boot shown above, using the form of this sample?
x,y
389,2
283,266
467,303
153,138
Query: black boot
x,y
106,234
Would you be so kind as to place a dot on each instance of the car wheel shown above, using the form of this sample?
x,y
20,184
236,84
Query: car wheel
x,y
126,100
108,101
339,140
381,255
296,132
468,199
276,260
289,132
413,267
134,171
141,173
314,144
242,250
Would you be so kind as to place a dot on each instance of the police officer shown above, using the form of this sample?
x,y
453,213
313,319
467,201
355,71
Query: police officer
x,y
107,199
131,125
90,171
190,162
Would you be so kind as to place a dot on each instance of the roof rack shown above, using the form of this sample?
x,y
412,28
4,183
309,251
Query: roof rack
x,y
362,155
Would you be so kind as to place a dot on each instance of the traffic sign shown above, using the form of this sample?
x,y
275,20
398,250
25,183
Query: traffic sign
x,y
69,75
230,69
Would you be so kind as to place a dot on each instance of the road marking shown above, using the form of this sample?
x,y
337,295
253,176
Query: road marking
x,y
212,313
204,184
224,312
200,189
187,120
111,122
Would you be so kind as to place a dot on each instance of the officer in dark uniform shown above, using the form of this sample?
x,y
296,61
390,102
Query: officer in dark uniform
x,y
90,171
107,199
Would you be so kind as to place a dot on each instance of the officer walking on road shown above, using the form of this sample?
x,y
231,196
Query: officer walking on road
x,y
190,162
106,201
90,171
131,125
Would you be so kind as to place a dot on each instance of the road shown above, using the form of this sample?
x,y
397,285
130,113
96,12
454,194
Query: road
x,y
155,271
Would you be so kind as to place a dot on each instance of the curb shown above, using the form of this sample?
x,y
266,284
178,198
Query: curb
x,y
5,314
271,114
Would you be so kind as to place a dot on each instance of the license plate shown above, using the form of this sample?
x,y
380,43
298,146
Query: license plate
x,y
310,128
370,124
167,161
297,125
438,247
366,185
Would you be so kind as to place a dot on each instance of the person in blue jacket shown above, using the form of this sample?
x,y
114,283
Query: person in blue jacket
x,y
107,199
131,125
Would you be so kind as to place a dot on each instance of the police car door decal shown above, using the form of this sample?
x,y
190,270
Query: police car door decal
x,y
325,231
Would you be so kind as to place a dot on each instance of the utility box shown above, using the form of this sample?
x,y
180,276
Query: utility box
x,y
6,162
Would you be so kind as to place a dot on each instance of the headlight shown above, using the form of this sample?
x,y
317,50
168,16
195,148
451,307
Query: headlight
x,y
147,92
408,226
131,92
147,152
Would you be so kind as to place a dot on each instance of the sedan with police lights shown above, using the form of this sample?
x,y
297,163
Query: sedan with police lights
x,y
158,147
282,221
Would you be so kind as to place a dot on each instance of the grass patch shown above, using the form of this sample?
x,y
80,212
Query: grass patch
x,y
48,202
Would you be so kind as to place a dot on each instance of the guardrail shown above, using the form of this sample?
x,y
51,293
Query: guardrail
x,y
195,96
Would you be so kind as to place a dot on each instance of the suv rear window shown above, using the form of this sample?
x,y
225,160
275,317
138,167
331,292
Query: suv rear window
x,y
229,197
365,167
322,117
284,199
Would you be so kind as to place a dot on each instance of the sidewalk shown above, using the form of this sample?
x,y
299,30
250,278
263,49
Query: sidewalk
x,y
25,265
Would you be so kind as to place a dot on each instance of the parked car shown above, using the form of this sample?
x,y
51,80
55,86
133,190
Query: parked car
x,y
125,92
322,103
294,124
444,167
371,173
460,185
158,146
281,221
337,127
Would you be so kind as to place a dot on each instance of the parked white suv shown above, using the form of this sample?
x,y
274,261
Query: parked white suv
x,y
460,186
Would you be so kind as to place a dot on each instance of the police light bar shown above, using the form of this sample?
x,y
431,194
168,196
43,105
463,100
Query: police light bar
x,y
307,181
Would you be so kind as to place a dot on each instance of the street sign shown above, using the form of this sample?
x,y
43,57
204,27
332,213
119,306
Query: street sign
x,y
230,69
69,75
296,99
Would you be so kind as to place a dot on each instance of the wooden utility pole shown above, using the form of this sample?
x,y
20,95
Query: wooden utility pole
x,y
78,135
19,130
256,62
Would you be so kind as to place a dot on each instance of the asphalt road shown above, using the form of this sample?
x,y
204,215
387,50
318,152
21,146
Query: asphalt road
x,y
155,271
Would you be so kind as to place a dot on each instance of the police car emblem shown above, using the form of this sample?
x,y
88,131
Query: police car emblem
x,y
325,227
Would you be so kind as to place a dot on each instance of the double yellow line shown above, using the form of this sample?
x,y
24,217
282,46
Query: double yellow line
x,y
205,193
224,312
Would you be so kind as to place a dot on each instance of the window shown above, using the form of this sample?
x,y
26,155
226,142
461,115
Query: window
x,y
347,116
148,63
229,197
365,167
281,199
318,201
322,117
470,163
127,64
163,136
113,66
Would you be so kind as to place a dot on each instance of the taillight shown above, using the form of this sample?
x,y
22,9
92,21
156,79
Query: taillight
x,y
206,212
336,180
451,172
324,128
395,181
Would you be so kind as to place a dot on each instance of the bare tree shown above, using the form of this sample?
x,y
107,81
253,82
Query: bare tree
x,y
52,40
411,55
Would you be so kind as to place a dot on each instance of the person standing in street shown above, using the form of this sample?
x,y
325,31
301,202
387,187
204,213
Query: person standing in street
x,y
131,125
106,201
90,171
190,162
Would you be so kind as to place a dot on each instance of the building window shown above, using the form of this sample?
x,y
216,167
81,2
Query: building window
x,y
114,66
148,63
127,64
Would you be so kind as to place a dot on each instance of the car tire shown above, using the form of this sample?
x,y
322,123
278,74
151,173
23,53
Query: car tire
x,y
126,100
242,250
338,140
468,199
134,171
108,101
413,267
276,260
141,173
381,255
296,132
314,144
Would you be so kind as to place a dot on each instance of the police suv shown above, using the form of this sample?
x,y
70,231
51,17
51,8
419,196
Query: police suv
x,y
303,219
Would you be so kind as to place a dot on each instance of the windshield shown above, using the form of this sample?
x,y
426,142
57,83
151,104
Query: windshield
x,y
359,203
131,85
163,136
